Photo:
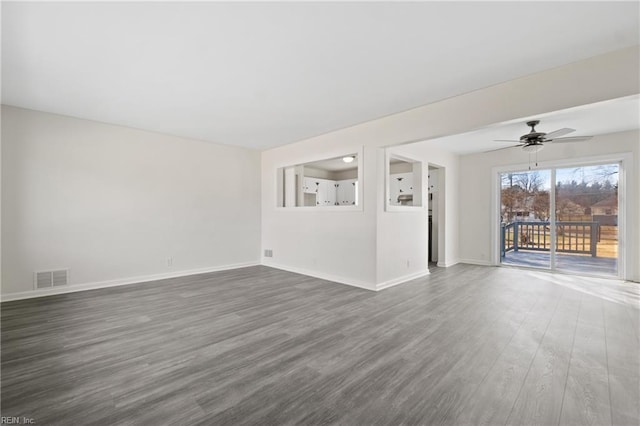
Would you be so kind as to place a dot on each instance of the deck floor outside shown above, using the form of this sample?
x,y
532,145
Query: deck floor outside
x,y
581,264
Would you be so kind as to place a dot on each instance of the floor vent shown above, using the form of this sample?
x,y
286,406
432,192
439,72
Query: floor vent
x,y
48,279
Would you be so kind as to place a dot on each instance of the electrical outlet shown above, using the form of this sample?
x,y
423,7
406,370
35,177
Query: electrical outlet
x,y
408,263
169,261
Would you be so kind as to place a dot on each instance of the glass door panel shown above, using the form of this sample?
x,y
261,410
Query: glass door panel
x,y
525,231
587,219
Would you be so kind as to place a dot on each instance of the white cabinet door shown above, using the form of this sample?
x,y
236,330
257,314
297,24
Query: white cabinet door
x,y
317,186
328,189
340,192
406,184
309,186
332,191
394,189
352,192
322,193
325,190
346,195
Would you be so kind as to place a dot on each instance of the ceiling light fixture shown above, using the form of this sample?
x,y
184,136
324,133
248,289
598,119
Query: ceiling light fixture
x,y
533,147
348,159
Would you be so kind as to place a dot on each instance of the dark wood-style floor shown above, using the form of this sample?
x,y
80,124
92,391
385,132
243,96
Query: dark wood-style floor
x,y
466,345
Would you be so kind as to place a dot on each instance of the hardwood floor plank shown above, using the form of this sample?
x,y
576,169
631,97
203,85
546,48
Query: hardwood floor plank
x,y
625,399
623,365
586,399
540,398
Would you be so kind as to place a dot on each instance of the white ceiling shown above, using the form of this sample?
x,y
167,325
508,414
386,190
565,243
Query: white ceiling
x,y
266,74
600,118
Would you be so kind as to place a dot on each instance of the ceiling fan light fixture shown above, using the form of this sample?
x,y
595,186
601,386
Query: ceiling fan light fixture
x,y
533,148
533,141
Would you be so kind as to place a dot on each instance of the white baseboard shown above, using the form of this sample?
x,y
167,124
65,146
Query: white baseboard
x,y
400,280
123,281
321,275
476,262
447,264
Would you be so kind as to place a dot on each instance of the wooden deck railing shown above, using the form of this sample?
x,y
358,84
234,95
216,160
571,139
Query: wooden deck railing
x,y
571,237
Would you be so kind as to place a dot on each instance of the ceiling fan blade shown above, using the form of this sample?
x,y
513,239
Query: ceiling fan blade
x,y
500,149
558,133
507,140
570,139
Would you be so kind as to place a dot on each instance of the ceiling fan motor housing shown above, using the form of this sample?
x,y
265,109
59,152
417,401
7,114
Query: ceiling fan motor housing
x,y
532,136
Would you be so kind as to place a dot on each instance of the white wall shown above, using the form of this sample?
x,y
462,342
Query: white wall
x,y
403,235
349,246
336,243
112,203
476,180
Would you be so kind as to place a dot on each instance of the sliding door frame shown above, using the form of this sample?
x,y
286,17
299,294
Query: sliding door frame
x,y
552,219
626,199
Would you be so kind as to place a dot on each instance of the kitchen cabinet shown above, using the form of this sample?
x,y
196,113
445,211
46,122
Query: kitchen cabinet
x,y
326,193
324,189
330,192
346,192
309,185
400,184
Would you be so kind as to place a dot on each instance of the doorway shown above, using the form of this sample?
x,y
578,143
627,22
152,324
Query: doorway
x,y
435,178
561,218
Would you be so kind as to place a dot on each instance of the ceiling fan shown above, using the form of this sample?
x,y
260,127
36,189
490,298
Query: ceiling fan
x,y
534,141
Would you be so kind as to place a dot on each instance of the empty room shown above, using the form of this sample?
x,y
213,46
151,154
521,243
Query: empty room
x,y
354,213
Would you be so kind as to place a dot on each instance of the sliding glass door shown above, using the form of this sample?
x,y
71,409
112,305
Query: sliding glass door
x,y
561,218
587,219
525,212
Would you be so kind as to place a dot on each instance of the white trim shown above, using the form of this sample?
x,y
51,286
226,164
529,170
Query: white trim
x,y
576,162
321,275
118,282
477,262
495,216
626,199
552,219
446,264
401,280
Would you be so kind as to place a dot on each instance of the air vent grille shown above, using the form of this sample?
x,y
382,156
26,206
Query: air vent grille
x,y
48,279
59,277
43,279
